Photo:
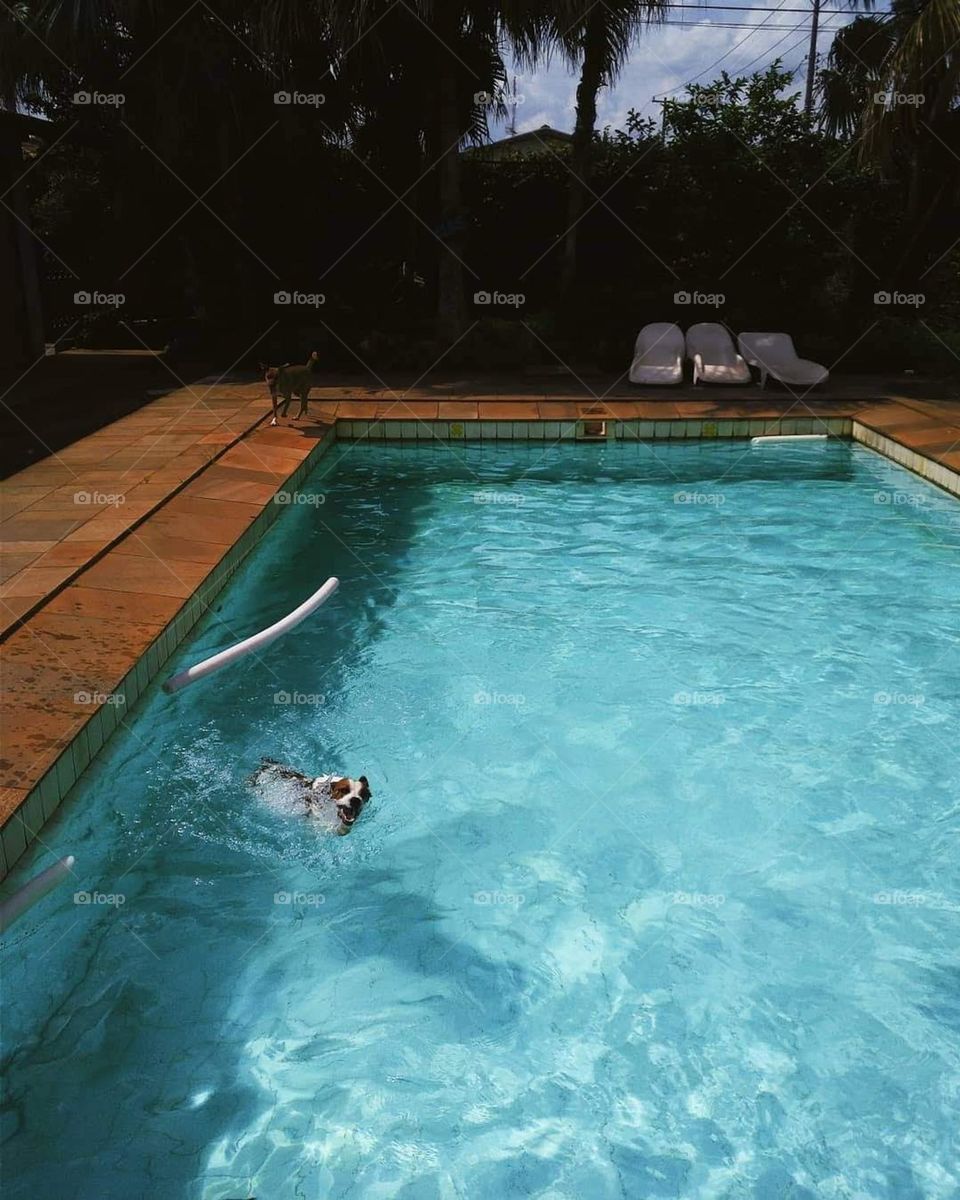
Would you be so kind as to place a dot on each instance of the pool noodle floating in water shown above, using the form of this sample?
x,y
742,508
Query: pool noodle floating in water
x,y
257,642
789,437
27,896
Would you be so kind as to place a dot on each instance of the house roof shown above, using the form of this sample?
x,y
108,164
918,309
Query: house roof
x,y
534,135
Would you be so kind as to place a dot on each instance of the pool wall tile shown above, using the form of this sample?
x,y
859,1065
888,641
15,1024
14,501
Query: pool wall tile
x,y
926,468
81,752
49,794
66,774
14,841
95,734
31,814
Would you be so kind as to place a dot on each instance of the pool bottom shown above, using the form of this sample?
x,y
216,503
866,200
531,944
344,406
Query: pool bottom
x,y
654,896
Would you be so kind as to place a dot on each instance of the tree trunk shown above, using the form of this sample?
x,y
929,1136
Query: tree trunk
x,y
591,80
451,311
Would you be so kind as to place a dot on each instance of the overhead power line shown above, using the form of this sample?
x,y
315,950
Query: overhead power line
x,y
744,25
706,8
727,54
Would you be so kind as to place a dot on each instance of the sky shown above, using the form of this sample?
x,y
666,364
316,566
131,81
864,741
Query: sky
x,y
665,58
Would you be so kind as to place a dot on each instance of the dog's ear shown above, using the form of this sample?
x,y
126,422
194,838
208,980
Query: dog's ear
x,y
365,792
339,788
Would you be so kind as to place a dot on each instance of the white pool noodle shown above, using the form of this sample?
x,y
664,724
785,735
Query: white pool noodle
x,y
790,437
27,896
257,642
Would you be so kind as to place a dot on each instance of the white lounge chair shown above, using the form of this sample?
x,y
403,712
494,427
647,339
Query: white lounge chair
x,y
774,354
658,354
710,348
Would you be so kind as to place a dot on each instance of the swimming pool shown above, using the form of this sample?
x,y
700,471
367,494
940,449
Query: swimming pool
x,y
657,894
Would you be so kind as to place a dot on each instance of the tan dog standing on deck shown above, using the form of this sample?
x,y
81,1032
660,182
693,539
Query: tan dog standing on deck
x,y
290,381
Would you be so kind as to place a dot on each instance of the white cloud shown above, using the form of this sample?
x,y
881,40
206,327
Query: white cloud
x,y
662,62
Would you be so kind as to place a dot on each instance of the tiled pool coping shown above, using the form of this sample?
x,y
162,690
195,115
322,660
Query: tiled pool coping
x,y
106,633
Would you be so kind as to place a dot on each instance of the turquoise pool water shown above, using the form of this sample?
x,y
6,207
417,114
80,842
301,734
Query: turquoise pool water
x,y
657,895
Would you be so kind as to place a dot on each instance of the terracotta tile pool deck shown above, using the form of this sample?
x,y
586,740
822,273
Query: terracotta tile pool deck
x,y
115,546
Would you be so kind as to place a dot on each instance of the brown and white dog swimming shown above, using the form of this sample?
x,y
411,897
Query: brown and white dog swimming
x,y
290,380
334,800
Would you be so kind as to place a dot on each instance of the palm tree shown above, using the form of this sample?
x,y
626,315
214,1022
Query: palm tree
x,y
895,82
460,47
854,73
596,36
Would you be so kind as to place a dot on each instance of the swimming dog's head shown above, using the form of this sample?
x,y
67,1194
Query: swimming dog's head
x,y
349,795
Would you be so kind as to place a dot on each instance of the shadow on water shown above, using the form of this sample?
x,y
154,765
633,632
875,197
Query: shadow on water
x,y
407,927
118,1051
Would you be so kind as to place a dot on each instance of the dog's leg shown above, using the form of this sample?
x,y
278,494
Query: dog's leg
x,y
273,400
287,397
304,397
